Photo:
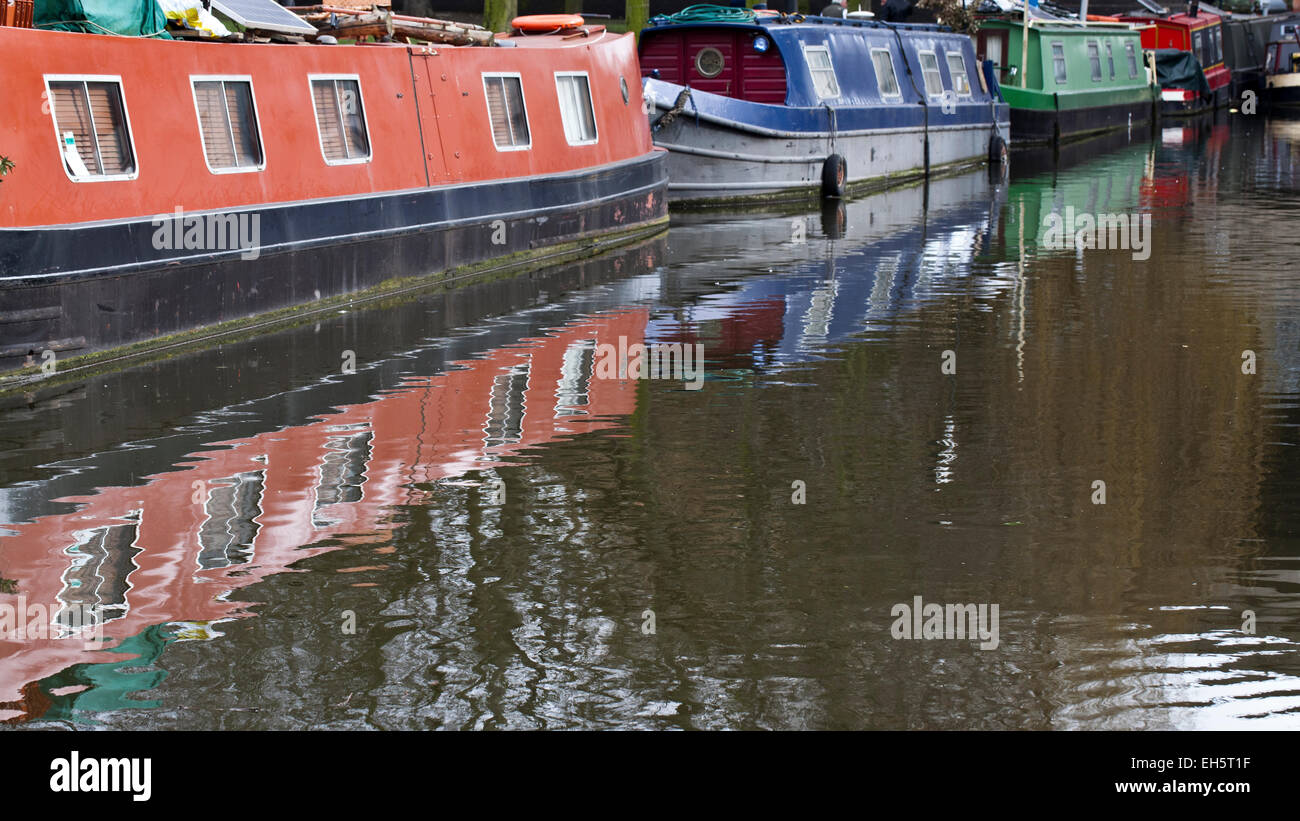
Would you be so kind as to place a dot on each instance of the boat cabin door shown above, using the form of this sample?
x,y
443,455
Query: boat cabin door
x,y
436,92
991,44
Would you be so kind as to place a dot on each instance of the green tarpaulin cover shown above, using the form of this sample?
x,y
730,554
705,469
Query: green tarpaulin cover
x,y
132,18
1180,69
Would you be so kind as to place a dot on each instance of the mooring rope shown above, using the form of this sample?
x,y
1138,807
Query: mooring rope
x,y
671,114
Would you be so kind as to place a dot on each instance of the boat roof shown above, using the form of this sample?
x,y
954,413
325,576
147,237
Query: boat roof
x,y
568,38
1048,24
1201,20
799,22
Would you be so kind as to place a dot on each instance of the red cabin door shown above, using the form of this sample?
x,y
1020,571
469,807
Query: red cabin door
x,y
435,88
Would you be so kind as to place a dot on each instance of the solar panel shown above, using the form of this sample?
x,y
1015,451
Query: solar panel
x,y
263,14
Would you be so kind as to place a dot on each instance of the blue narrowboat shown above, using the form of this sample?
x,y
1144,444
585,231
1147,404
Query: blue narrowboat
x,y
765,106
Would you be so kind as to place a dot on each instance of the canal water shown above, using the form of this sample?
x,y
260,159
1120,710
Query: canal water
x,y
453,510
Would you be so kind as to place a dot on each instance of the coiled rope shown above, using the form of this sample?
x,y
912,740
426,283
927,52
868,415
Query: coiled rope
x,y
709,13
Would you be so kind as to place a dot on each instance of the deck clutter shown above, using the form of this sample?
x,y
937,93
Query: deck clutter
x,y
278,159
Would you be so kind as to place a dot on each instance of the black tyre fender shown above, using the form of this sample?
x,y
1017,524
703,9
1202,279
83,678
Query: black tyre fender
x,y
835,176
997,150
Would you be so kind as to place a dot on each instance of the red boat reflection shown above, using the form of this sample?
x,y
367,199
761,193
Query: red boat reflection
x,y
176,548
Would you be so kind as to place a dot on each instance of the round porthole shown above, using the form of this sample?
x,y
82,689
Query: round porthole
x,y
622,86
709,62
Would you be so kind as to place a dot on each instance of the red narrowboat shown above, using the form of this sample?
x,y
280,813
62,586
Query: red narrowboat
x,y
164,188
1196,33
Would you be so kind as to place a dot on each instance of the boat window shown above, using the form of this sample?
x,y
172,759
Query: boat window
x,y
885,76
709,62
340,119
575,108
1198,47
92,129
1094,60
1132,60
228,124
930,73
506,110
1058,61
1218,44
957,70
1110,58
823,72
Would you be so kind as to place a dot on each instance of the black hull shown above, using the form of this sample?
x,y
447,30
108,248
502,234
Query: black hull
x,y
103,287
1244,80
1282,97
1034,126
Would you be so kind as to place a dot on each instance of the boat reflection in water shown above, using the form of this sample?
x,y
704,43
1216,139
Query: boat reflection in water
x,y
888,253
299,498
164,560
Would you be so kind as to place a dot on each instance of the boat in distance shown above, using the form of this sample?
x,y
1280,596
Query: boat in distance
x,y
1067,79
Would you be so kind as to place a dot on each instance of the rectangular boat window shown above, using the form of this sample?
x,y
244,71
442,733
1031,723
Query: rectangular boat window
x,y
1132,60
575,108
1218,44
823,72
1094,60
1110,59
930,73
91,125
1058,61
885,76
340,119
228,124
1198,47
507,112
957,70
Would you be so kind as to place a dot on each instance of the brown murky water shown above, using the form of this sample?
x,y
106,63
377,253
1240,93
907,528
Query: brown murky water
x,y
482,528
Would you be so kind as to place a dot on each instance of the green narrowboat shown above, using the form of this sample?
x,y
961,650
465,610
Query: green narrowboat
x,y
1074,79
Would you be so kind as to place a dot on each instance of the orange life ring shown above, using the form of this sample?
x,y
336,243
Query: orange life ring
x,y
1102,18
547,22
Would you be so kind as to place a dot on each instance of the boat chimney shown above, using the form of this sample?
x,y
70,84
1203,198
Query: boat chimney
x,y
1193,7
1083,10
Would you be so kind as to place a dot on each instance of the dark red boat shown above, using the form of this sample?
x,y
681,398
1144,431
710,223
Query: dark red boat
x,y
162,186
